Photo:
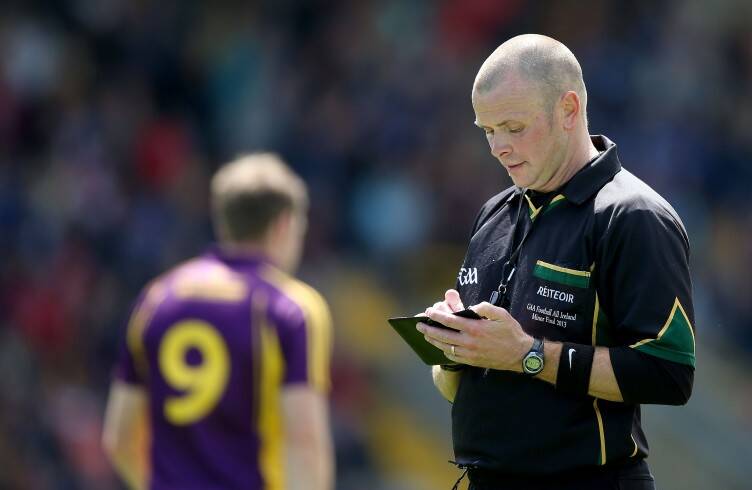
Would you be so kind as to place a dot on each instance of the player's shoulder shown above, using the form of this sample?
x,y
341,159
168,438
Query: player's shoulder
x,y
201,266
203,277
291,298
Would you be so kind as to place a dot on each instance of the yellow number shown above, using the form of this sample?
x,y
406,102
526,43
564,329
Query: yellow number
x,y
203,383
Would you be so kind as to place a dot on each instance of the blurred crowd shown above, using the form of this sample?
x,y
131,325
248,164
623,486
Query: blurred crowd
x,y
114,113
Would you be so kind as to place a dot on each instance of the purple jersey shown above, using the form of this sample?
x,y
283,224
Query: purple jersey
x,y
213,342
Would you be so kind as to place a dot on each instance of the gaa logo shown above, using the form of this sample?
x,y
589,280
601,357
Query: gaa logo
x,y
468,275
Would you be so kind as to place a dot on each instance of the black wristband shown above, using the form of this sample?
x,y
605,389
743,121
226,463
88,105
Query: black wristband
x,y
452,367
575,364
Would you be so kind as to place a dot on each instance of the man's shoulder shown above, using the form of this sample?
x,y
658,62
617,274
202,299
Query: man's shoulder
x,y
627,194
500,198
494,204
629,203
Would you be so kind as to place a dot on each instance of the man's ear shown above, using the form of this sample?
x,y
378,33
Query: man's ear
x,y
570,107
280,228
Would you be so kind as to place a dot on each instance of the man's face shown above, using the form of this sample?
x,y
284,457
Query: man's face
x,y
522,132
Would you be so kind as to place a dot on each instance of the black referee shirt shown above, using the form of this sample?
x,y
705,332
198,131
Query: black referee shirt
x,y
606,264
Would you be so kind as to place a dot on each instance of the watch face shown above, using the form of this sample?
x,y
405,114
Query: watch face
x,y
533,363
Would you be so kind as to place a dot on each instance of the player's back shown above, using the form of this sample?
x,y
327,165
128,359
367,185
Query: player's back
x,y
213,341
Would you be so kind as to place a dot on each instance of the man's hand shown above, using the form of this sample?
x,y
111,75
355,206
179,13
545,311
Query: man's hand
x,y
496,342
451,303
446,381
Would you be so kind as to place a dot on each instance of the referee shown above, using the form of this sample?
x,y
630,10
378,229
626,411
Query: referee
x,y
580,272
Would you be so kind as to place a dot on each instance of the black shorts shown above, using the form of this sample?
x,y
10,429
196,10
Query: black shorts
x,y
633,476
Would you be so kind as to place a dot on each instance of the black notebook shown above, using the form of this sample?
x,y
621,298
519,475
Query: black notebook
x,y
428,353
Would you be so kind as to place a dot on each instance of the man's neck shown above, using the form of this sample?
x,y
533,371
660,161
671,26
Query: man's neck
x,y
581,157
244,249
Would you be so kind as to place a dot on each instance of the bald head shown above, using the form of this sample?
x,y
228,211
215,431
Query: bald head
x,y
543,62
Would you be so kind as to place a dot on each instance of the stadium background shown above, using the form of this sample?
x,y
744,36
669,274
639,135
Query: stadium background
x,y
113,114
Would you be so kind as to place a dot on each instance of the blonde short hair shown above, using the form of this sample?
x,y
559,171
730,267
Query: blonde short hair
x,y
250,192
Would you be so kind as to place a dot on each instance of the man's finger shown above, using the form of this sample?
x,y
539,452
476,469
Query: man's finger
x,y
448,319
487,310
444,346
439,334
454,354
442,305
452,298
436,343
451,351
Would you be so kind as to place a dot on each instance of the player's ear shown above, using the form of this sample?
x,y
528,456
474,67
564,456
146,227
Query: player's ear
x,y
569,107
280,227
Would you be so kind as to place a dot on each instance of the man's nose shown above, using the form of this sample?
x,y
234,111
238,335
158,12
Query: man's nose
x,y
500,148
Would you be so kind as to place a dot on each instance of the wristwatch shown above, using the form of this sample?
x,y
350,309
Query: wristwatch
x,y
533,361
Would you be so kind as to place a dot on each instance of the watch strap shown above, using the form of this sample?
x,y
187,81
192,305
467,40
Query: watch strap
x,y
538,345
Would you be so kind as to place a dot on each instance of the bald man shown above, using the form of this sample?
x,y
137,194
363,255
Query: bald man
x,y
580,274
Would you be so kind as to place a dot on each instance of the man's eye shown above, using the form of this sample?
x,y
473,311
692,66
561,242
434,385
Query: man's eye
x,y
488,131
515,130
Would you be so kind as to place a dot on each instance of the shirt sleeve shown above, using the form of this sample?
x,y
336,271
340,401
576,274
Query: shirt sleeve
x,y
644,285
644,378
305,338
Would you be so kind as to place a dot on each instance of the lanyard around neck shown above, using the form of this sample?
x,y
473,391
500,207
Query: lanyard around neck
x,y
499,296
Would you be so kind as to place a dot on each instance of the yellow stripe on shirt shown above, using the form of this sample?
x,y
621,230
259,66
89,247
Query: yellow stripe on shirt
x,y
137,324
598,416
596,311
601,432
675,341
317,320
535,211
676,307
270,426
565,270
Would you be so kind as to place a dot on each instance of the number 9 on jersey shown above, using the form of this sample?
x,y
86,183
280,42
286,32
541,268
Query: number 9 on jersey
x,y
202,383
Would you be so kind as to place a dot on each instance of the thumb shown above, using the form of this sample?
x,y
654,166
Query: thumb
x,y
452,298
487,310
